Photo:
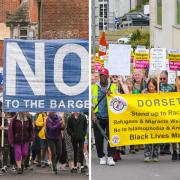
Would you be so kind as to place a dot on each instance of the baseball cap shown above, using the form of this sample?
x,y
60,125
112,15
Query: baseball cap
x,y
104,71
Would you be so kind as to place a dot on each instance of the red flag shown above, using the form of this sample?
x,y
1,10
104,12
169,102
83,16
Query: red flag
x,y
102,45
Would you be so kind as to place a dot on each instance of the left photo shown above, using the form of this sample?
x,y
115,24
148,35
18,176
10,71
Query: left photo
x,y
44,89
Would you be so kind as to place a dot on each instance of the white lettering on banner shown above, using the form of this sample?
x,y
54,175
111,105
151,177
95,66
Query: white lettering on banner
x,y
53,104
70,104
13,103
34,103
16,57
36,80
58,69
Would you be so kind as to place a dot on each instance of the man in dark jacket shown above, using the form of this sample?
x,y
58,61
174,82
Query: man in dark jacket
x,y
76,128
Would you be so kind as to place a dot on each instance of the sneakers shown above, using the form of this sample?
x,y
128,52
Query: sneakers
x,y
4,169
156,159
13,168
147,159
110,161
103,160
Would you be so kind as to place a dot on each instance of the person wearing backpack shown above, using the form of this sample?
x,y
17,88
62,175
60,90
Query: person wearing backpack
x,y
20,135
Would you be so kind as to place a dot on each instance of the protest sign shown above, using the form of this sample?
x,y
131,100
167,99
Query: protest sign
x,y
46,75
119,59
158,59
174,60
141,57
144,118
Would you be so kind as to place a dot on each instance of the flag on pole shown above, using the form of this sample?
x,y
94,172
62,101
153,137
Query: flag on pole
x,y
102,45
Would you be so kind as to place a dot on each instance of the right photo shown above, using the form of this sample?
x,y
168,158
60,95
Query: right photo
x,y
135,89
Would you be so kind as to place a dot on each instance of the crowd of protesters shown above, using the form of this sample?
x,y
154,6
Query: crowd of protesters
x,y
138,83
41,140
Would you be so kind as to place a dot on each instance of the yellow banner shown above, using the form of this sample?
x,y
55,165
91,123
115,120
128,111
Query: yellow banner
x,y
144,118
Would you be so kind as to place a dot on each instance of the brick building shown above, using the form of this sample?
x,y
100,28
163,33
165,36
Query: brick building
x,y
23,22
45,19
64,19
6,7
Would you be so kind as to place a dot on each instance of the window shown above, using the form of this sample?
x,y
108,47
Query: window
x,y
178,12
23,33
101,10
159,12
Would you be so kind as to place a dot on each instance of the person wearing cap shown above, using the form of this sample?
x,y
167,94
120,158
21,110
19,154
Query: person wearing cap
x,y
100,114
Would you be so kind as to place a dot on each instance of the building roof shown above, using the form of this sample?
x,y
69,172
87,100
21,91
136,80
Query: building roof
x,y
21,15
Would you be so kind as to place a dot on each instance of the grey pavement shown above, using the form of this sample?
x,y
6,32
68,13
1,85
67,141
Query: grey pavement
x,y
43,174
132,167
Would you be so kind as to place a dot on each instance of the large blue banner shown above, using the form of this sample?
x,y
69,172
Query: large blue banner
x,y
46,75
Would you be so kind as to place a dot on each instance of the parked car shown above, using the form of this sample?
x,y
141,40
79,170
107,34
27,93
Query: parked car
x,y
136,18
124,40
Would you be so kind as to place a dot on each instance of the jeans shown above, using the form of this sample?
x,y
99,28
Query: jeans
x,y
99,139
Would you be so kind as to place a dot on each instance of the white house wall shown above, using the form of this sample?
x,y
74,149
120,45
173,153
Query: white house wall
x,y
166,36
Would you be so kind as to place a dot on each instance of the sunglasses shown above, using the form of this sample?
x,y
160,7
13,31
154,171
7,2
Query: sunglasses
x,y
162,79
114,76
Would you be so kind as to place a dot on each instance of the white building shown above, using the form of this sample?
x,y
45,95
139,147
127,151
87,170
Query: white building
x,y
165,23
113,9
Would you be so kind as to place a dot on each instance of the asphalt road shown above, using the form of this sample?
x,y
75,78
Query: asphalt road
x,y
132,167
43,174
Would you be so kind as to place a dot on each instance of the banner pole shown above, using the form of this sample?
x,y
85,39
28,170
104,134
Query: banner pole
x,y
2,132
158,82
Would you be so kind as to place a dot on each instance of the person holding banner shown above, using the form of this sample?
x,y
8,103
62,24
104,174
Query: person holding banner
x,y
165,87
176,156
151,151
129,83
54,125
20,135
100,115
6,147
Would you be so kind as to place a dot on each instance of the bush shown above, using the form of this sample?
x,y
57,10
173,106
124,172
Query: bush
x,y
139,38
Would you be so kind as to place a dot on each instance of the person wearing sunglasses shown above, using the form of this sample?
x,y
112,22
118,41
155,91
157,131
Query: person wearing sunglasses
x,y
165,87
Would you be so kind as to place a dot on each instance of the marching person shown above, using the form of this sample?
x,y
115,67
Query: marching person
x,y
54,124
151,151
20,135
76,128
41,126
68,144
165,87
6,147
100,115
176,156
